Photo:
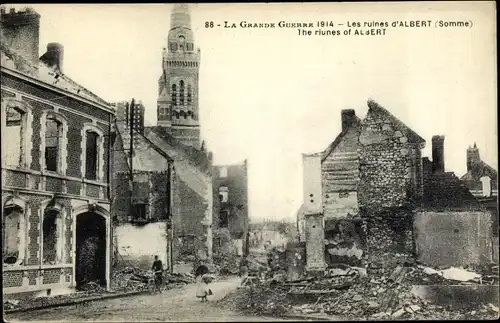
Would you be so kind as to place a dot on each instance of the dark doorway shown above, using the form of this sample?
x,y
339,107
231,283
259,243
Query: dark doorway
x,y
223,219
90,249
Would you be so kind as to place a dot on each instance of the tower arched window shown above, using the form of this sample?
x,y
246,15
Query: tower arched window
x,y
174,94
181,92
189,95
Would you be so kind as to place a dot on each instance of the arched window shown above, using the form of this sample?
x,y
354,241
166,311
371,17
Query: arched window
x,y
16,133
53,150
183,114
52,236
189,95
52,144
13,232
181,92
174,94
13,130
92,153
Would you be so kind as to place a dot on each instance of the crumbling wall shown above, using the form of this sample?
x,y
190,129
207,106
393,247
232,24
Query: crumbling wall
x,y
391,232
189,217
315,243
344,241
389,182
453,238
296,260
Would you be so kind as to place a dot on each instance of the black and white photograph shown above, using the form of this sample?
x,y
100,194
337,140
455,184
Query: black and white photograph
x,y
236,162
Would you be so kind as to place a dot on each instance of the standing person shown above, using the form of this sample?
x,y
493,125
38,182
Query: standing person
x,y
157,269
243,268
202,291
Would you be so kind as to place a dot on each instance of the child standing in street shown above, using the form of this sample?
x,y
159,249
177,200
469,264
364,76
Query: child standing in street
x,y
203,290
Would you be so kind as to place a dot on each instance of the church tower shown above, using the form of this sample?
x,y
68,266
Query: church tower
x,y
178,110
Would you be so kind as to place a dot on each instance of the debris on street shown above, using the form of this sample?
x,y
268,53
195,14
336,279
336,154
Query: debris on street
x,y
383,290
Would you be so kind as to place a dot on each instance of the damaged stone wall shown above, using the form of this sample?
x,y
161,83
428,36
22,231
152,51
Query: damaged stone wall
x,y
453,238
344,241
391,232
390,185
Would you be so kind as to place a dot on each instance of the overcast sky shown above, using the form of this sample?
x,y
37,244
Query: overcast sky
x,y
269,95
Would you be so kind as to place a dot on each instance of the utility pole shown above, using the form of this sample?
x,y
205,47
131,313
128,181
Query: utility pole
x,y
131,125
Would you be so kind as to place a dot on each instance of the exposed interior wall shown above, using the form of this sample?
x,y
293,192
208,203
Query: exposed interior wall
x,y
132,247
340,176
453,238
344,241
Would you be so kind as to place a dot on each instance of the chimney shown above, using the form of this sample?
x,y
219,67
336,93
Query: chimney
x,y
20,31
54,56
437,154
348,118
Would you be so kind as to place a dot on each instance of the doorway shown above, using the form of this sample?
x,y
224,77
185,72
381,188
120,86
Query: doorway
x,y
90,263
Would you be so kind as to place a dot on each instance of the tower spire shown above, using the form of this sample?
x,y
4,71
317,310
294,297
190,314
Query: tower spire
x,y
178,111
180,17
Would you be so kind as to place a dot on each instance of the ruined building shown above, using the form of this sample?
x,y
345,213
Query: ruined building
x,y
172,197
56,222
231,226
370,193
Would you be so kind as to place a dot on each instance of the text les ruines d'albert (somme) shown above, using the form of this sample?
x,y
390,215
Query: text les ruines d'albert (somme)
x,y
350,27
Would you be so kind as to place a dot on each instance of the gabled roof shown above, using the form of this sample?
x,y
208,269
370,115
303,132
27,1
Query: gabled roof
x,y
14,61
338,140
175,148
399,125
148,157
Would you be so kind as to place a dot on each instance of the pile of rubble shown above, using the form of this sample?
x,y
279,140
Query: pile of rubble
x,y
386,293
381,291
135,279
226,264
261,299
129,279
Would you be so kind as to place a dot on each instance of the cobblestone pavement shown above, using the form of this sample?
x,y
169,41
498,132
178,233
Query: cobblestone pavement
x,y
172,305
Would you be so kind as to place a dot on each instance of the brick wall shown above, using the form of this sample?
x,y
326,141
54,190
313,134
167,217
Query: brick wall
x,y
160,195
75,123
237,184
188,213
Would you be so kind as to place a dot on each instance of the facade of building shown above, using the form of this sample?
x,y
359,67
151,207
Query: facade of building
x,y
171,190
365,192
55,168
231,226
451,227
